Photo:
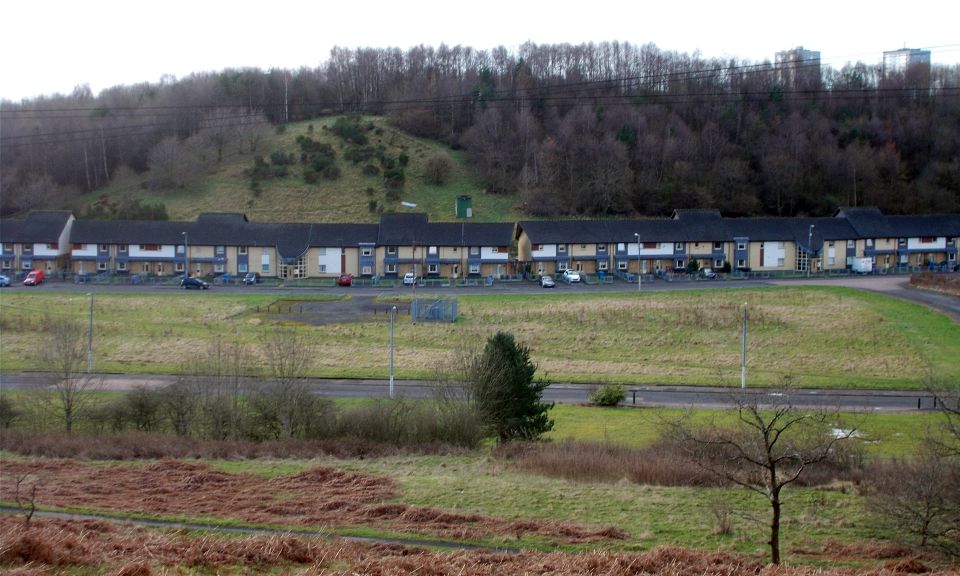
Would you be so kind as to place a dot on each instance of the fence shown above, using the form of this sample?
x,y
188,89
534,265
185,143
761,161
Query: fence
x,y
433,310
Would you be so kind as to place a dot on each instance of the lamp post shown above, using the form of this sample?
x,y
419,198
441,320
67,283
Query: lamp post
x,y
393,315
810,249
639,271
186,256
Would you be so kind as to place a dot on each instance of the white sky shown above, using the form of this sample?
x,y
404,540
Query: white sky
x,y
49,46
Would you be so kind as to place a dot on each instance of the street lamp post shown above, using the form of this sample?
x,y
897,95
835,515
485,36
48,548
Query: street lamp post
x,y
393,315
186,256
639,271
810,249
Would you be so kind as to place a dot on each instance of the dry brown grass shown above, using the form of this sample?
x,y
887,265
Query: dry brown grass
x,y
104,548
317,497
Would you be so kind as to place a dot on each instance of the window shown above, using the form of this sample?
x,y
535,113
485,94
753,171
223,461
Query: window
x,y
621,265
178,267
150,247
902,242
432,251
27,248
869,242
145,268
323,268
561,266
392,250
718,245
160,269
650,245
104,248
923,240
322,251
366,271
830,243
779,261
952,256
583,246
741,245
831,260
741,263
26,265
433,268
77,246
851,244
366,251
122,248
218,268
7,264
242,268
475,250
179,248
561,248
537,247
8,247
474,268
391,268
680,264
621,246
101,265
454,249
601,247
779,245
220,250
678,246
122,266
718,263
242,250
602,266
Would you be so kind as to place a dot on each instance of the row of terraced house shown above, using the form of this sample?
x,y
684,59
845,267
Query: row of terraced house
x,y
229,243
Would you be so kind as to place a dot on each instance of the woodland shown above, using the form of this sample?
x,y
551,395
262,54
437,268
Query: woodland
x,y
607,129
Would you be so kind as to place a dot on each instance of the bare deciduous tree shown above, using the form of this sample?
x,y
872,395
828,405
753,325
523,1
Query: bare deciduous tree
x,y
285,402
25,496
770,448
64,353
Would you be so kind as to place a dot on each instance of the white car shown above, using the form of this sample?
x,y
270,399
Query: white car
x,y
409,279
570,276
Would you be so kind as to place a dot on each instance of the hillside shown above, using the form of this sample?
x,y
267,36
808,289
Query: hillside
x,y
226,185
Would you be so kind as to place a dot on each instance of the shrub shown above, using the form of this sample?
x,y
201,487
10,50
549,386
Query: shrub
x,y
331,172
372,206
349,130
370,170
394,178
608,395
437,169
403,159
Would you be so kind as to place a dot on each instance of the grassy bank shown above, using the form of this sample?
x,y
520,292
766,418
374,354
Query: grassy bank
x,y
814,336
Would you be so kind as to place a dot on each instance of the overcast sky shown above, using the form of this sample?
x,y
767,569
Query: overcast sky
x,y
50,46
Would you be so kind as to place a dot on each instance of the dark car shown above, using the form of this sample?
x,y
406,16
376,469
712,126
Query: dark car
x,y
251,278
345,280
190,283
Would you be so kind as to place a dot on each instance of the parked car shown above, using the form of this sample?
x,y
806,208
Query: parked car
x,y
4,280
546,281
409,279
708,273
251,278
190,282
34,278
570,276
345,280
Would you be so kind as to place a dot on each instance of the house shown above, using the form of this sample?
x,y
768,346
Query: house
x,y
895,241
410,243
40,240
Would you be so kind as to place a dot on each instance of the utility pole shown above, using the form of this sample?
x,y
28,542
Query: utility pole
x,y
90,337
743,350
286,113
393,315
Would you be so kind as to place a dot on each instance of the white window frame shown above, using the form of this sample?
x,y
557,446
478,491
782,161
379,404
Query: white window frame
x,y
432,251
601,247
145,268
562,266
7,264
718,263
122,266
322,268
741,246
392,250
474,269
322,251
741,263
678,246
122,248
718,245
561,248
680,263
218,268
242,250
367,271
366,251
178,267
220,250
433,268
622,265
602,265
474,250
242,268
101,265
391,268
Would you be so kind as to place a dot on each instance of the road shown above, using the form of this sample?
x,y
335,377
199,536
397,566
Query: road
x,y
561,393
895,286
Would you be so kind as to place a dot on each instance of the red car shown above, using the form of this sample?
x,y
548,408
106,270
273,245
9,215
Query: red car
x,y
34,278
345,280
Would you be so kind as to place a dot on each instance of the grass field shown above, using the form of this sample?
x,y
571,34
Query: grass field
x,y
816,336
226,186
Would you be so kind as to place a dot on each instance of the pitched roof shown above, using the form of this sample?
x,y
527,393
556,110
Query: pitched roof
x,y
410,229
37,226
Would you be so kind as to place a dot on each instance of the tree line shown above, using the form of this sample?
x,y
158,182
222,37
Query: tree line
x,y
590,129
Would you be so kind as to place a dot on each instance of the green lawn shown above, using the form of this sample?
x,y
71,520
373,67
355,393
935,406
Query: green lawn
x,y
814,336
